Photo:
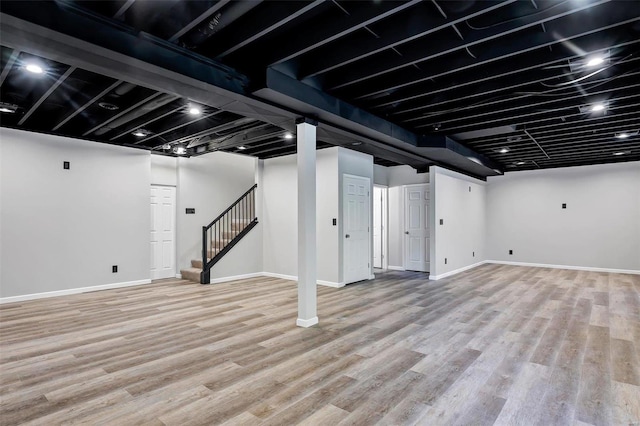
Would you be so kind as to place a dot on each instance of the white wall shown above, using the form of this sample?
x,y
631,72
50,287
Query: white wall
x,y
280,212
380,175
599,228
64,229
164,170
460,201
210,183
405,175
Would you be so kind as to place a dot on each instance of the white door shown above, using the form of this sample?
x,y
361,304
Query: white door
x,y
356,210
379,227
416,228
163,232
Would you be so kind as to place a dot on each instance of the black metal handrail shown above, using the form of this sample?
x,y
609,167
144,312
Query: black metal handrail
x,y
231,206
226,230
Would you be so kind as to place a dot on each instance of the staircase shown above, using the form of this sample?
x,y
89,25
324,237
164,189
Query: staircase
x,y
222,234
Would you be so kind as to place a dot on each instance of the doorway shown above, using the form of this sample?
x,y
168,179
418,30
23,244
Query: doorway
x,y
416,228
163,232
356,211
380,224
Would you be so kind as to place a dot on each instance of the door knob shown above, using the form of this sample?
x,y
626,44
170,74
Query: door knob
x,y
347,236
406,232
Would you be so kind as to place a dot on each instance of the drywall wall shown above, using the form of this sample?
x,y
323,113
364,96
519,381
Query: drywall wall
x,y
280,211
380,175
356,164
600,227
64,229
210,183
405,175
164,170
460,202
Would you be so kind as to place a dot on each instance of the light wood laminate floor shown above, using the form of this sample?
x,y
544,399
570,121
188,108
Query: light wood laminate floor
x,y
494,345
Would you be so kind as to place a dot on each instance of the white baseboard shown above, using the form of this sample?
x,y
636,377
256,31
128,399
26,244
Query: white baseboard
x,y
570,267
281,276
396,268
306,323
456,271
179,276
295,278
330,284
34,296
235,277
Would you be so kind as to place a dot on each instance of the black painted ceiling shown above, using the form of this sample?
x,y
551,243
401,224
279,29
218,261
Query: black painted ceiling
x,y
510,81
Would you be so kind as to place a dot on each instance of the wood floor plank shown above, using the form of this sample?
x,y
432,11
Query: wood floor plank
x,y
496,344
594,399
624,359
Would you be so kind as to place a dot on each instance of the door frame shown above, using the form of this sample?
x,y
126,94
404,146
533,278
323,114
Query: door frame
x,y
369,224
404,221
175,229
384,220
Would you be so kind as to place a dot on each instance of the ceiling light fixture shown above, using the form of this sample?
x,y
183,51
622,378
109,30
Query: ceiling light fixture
x,y
242,148
288,135
33,68
503,150
180,150
140,133
621,153
594,107
625,135
356,143
9,108
166,146
194,111
595,61
108,106
520,163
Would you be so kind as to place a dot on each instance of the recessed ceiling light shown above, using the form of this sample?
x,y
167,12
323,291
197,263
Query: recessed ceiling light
x,y
108,106
33,68
520,163
356,143
503,150
10,108
624,135
288,135
621,153
242,148
595,61
194,111
180,150
140,133
597,107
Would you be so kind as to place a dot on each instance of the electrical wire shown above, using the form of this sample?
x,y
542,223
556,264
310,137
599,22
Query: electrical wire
x,y
542,93
537,12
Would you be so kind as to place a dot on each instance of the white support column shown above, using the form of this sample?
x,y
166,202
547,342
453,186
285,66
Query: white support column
x,y
307,304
